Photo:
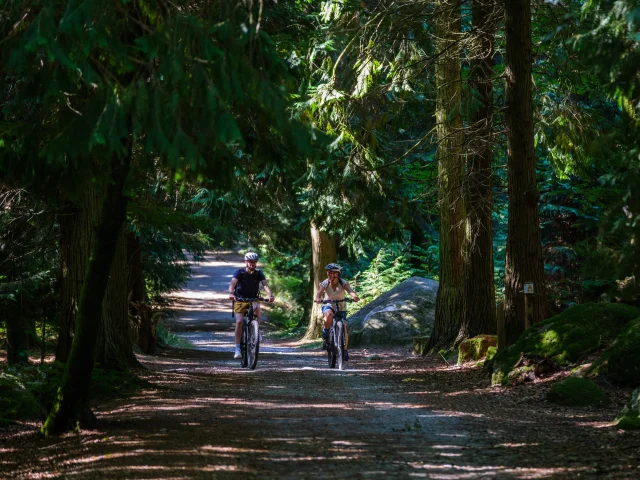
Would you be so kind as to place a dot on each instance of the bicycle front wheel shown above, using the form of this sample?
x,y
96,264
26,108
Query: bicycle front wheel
x,y
331,349
253,343
244,360
339,345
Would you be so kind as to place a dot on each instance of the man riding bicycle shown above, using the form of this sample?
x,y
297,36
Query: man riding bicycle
x,y
333,288
246,283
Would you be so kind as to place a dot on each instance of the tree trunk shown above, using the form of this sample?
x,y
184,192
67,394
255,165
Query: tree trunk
x,y
113,348
16,337
449,301
323,251
479,290
135,276
77,231
524,251
71,403
77,234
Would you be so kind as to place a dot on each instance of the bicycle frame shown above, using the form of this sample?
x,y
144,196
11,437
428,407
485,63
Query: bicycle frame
x,y
250,338
336,343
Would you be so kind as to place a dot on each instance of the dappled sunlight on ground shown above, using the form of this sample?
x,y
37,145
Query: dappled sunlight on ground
x,y
389,414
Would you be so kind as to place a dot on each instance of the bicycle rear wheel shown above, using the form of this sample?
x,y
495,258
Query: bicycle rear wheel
x,y
331,349
339,345
244,360
253,343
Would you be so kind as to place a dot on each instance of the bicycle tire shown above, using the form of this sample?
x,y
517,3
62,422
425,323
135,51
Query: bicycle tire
x,y
331,352
253,344
339,345
244,360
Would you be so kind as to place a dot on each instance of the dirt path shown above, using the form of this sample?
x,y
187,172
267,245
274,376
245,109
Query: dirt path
x,y
397,417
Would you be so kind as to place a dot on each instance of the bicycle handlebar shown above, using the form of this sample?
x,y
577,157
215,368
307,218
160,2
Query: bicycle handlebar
x,y
257,299
347,300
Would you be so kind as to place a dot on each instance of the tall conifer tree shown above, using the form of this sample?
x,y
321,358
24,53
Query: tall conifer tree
x,y
449,301
524,251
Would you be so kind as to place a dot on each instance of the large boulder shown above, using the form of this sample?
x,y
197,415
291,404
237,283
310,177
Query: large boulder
x,y
395,317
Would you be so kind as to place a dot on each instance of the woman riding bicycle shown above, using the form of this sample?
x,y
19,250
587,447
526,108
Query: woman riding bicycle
x,y
333,288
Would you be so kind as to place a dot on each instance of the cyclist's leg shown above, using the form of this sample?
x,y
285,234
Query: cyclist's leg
x,y
328,318
346,336
239,317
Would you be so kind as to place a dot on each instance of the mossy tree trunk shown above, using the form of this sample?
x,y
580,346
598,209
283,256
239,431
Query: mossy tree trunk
x,y
524,250
71,402
479,290
323,251
449,301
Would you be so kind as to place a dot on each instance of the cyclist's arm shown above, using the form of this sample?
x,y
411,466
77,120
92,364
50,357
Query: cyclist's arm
x,y
232,288
350,291
320,293
267,289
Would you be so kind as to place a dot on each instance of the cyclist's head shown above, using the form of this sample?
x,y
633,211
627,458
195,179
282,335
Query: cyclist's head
x,y
251,259
333,267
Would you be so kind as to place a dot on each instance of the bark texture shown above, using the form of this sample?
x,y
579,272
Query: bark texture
x,y
449,302
524,251
70,405
78,224
113,347
479,290
77,231
323,251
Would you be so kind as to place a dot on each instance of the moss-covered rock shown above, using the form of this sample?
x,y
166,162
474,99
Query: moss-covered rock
x,y
567,337
577,392
16,401
491,353
621,362
473,349
629,417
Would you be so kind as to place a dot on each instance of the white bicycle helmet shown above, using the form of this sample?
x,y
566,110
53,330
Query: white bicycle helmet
x,y
333,267
251,257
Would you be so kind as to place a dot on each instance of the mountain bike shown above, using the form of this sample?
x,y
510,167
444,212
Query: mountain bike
x,y
250,339
336,341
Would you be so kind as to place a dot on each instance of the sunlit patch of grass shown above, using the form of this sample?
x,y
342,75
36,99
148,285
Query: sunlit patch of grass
x,y
169,339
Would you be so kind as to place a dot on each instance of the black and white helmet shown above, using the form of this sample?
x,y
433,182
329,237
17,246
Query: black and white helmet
x,y
333,267
251,257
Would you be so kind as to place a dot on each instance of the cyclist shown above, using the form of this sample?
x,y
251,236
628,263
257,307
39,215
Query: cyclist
x,y
333,288
246,283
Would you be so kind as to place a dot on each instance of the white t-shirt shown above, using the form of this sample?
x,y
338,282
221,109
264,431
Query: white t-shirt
x,y
337,294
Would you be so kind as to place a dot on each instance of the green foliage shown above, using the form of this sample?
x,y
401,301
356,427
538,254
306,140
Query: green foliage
x,y
567,337
16,401
387,266
629,417
167,338
288,277
28,392
577,392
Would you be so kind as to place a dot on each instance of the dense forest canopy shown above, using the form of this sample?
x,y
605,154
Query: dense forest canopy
x,y
480,143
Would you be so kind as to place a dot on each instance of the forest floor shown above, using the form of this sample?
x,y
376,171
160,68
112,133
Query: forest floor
x,y
389,414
